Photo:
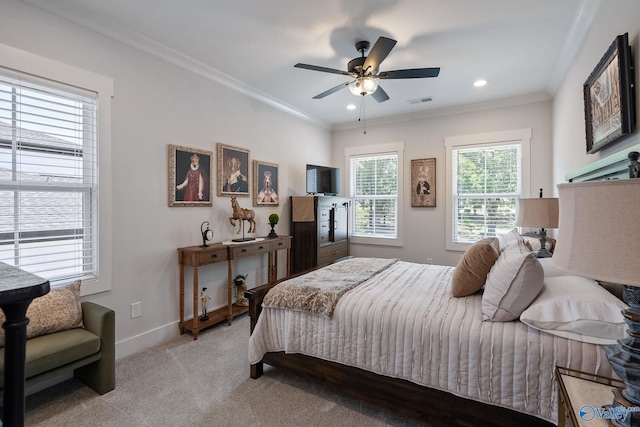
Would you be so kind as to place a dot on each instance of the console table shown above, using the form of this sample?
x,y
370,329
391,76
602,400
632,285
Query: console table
x,y
17,289
197,256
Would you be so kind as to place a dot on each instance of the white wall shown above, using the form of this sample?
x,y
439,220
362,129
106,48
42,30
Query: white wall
x,y
424,228
569,147
157,104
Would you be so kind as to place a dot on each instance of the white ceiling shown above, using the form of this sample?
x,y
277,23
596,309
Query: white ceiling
x,y
521,47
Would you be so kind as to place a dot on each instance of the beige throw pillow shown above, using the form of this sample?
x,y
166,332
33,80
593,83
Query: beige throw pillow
x,y
472,269
513,283
56,311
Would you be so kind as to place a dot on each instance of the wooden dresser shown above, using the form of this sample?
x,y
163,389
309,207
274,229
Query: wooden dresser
x,y
320,228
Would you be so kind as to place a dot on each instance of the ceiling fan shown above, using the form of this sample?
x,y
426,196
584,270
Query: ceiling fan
x,y
365,71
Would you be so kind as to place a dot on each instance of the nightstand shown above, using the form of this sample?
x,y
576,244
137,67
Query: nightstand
x,y
579,390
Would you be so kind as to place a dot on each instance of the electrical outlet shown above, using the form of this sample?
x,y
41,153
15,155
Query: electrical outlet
x,y
136,310
429,260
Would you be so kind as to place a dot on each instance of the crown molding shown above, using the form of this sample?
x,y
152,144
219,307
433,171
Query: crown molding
x,y
145,44
449,111
577,33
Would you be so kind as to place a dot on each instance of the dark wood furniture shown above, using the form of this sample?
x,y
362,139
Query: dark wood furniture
x,y
436,407
197,256
17,289
322,238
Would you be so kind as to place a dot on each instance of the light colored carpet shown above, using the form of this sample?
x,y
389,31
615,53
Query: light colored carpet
x,y
202,383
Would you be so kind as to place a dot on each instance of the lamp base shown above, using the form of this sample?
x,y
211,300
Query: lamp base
x,y
624,358
543,253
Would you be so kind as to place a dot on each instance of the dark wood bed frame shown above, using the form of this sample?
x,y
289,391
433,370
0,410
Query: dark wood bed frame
x,y
436,407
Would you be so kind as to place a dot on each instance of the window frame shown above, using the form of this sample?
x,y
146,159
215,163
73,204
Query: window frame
x,y
396,148
480,140
22,62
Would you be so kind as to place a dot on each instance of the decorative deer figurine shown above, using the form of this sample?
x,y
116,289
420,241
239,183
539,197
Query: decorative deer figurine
x,y
242,214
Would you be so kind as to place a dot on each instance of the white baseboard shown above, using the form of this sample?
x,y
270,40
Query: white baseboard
x,y
148,339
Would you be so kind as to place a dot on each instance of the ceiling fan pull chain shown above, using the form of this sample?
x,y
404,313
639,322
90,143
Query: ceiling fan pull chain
x,y
364,116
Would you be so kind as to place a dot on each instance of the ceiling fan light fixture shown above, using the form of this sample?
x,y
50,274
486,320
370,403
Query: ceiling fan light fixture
x,y
363,86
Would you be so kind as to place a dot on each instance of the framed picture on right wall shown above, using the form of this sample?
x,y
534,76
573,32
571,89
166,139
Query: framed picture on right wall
x,y
423,182
609,97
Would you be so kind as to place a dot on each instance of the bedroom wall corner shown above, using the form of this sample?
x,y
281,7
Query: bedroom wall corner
x,y
424,227
157,103
569,140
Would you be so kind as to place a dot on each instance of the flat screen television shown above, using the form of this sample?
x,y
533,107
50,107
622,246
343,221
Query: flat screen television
x,y
323,180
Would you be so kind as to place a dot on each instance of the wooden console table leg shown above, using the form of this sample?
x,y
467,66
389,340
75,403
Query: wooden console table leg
x,y
196,318
270,267
274,277
288,262
229,292
181,299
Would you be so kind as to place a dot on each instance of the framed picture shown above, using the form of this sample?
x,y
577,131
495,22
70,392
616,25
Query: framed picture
x,y
233,171
265,184
609,97
423,182
190,171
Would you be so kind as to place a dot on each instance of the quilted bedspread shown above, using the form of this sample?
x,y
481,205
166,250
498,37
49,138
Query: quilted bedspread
x,y
404,323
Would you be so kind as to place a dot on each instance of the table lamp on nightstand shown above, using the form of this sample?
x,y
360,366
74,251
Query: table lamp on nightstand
x,y
599,238
539,213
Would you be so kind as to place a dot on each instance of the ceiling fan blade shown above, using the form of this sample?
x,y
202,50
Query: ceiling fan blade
x,y
332,90
380,95
378,53
323,69
412,73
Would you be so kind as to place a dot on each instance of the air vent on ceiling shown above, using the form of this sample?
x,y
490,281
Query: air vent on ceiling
x,y
420,100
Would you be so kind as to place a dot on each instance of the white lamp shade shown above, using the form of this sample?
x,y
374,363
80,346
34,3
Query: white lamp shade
x,y
538,213
599,230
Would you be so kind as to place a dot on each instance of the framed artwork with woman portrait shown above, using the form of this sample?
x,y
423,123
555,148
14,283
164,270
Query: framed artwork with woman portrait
x,y
233,171
190,171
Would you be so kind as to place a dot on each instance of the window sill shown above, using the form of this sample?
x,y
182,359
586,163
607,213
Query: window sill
x,y
359,240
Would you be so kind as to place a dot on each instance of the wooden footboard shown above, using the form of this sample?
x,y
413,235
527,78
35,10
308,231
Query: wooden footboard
x,y
439,408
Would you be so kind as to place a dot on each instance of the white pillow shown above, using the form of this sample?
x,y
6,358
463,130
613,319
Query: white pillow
x,y
549,269
577,308
512,284
509,238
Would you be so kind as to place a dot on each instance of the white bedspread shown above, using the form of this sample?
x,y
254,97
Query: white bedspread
x,y
404,323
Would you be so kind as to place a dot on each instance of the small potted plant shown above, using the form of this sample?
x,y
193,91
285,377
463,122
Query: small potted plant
x,y
273,220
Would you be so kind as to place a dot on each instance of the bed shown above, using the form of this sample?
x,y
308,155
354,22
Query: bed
x,y
396,337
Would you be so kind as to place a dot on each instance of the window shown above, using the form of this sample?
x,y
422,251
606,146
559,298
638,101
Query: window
x,y
374,185
488,174
49,197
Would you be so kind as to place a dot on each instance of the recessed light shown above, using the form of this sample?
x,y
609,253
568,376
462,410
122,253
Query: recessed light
x,y
351,107
479,83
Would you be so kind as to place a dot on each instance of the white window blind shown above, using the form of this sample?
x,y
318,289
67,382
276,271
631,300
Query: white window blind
x,y
374,187
486,183
48,178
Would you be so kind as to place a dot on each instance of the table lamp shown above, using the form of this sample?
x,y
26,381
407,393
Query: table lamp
x,y
538,213
599,238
